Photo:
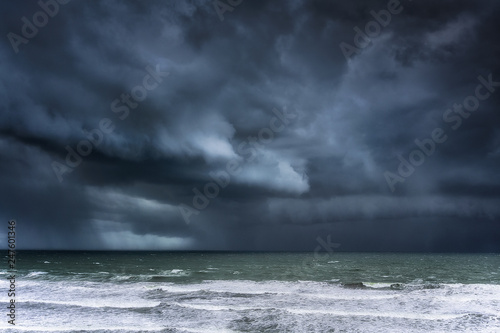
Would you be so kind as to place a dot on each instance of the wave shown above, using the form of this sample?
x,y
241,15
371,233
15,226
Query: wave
x,y
172,273
337,313
102,303
244,305
161,276
35,274
73,328
373,285
203,330
400,315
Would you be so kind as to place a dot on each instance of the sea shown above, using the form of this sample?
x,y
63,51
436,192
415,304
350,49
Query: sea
x,y
252,292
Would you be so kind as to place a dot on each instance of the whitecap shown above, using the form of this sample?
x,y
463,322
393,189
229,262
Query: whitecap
x,y
400,315
33,274
99,303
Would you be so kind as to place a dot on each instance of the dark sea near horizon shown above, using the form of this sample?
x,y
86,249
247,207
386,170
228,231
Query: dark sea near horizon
x,y
74,291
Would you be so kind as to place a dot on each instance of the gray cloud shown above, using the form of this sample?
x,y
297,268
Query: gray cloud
x,y
323,173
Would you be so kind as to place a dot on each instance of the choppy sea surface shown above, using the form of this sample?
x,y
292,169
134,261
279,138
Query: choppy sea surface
x,y
253,292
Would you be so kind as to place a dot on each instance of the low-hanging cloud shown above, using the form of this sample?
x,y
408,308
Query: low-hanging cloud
x,y
322,174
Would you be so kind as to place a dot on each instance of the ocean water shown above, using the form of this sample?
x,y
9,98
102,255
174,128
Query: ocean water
x,y
253,292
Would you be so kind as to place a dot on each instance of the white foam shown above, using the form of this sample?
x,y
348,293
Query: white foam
x,y
207,307
100,303
33,274
234,286
173,273
121,277
210,307
417,316
220,302
204,330
347,297
378,285
83,328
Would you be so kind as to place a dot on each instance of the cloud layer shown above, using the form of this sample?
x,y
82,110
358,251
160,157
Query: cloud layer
x,y
262,136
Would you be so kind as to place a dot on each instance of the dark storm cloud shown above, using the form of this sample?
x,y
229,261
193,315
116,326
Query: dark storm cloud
x,y
323,172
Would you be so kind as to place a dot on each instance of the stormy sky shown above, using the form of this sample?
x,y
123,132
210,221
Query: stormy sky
x,y
251,125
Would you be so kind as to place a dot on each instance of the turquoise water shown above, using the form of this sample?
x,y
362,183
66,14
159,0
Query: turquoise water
x,y
198,266
255,292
